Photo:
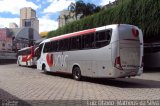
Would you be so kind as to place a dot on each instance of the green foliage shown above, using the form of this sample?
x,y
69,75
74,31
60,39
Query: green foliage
x,y
143,13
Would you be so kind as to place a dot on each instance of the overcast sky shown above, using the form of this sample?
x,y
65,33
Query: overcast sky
x,y
47,11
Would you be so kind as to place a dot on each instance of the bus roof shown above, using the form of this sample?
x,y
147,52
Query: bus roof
x,y
83,32
25,48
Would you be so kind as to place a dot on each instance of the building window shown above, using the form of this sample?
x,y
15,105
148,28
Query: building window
x,y
27,23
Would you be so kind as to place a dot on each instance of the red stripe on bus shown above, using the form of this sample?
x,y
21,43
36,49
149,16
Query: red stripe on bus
x,y
74,34
49,58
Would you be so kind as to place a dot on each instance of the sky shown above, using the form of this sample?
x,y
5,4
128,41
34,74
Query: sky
x,y
47,11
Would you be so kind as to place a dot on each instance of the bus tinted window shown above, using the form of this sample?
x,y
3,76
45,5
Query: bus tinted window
x,y
47,47
55,46
103,38
36,52
75,43
88,41
63,45
24,52
39,51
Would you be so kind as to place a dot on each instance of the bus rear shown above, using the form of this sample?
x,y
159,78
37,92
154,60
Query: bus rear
x,y
130,54
26,57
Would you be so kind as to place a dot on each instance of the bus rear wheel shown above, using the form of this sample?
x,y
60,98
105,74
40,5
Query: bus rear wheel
x,y
76,73
44,69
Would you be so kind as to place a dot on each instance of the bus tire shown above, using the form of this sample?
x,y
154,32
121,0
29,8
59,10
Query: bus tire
x,y
27,64
44,69
76,73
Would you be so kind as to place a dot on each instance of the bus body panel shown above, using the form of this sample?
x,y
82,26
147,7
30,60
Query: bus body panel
x,y
90,62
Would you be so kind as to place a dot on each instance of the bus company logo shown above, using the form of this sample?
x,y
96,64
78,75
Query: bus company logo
x,y
49,58
61,60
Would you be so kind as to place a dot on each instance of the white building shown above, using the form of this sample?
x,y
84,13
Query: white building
x,y
28,18
66,17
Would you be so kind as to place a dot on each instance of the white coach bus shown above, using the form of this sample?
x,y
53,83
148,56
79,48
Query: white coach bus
x,y
113,51
27,56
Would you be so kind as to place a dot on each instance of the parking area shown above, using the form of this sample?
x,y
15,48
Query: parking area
x,y
25,83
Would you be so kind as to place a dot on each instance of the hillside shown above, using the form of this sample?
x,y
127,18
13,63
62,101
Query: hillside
x,y
143,13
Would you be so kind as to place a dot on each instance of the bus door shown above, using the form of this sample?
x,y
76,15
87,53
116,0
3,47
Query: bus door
x,y
39,57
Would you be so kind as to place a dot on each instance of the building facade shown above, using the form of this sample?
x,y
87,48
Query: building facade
x,y
13,39
23,37
13,25
28,18
66,17
5,40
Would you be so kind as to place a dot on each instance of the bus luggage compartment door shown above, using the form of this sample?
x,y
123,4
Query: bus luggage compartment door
x,y
130,55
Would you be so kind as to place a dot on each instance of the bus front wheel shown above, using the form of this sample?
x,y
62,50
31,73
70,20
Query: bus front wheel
x,y
76,73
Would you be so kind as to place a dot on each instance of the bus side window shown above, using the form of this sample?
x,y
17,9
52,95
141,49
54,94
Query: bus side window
x,y
60,45
103,38
36,52
75,43
109,34
63,45
39,51
88,41
49,47
79,41
46,49
54,46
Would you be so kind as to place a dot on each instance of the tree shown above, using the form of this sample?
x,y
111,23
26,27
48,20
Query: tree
x,y
77,8
81,8
97,9
91,9
43,34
